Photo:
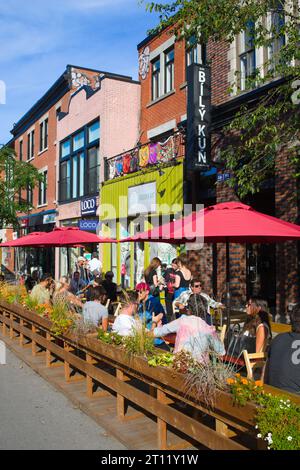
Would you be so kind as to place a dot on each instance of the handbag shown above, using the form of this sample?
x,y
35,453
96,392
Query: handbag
x,y
237,342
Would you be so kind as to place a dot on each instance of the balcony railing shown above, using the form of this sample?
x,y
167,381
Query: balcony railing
x,y
150,155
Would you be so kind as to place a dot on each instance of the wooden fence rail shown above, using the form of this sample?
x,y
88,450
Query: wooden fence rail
x,y
158,392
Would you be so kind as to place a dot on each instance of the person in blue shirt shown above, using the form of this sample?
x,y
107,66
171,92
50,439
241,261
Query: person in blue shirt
x,y
149,305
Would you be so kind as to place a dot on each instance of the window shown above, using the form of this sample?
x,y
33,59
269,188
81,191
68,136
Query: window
x,y
276,22
93,171
43,189
195,53
94,132
21,150
29,195
247,56
169,70
78,141
155,79
44,135
65,181
79,164
57,112
30,145
65,148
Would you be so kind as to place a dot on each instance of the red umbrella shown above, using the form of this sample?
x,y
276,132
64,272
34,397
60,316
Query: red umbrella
x,y
226,222
27,240
60,236
69,236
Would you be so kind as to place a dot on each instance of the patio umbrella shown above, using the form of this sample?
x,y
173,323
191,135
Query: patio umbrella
x,y
69,236
223,223
60,236
30,238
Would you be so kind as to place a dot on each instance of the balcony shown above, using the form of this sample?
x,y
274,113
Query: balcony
x,y
144,157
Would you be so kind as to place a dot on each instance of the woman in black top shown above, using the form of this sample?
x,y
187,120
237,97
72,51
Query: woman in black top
x,y
183,276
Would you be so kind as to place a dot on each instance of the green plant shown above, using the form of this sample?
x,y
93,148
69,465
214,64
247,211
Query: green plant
x,y
162,360
110,338
277,421
60,317
140,343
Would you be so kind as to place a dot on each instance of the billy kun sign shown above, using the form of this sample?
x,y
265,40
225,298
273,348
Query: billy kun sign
x,y
198,117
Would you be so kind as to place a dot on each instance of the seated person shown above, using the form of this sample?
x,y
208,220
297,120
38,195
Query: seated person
x,y
283,364
94,311
41,292
62,293
31,280
111,289
199,300
76,284
126,322
149,305
193,335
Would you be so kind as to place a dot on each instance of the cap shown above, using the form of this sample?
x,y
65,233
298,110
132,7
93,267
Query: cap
x,y
142,286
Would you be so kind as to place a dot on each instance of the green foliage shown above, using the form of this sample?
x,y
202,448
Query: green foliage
x,y
257,134
60,318
15,177
162,360
140,343
110,338
277,418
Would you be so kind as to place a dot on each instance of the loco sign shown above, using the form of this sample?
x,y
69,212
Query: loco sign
x,y
88,206
198,117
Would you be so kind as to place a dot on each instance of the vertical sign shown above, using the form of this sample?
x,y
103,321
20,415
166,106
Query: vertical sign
x,y
198,117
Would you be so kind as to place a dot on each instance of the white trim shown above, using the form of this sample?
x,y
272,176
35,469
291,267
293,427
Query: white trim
x,y
46,116
159,50
32,128
183,117
58,105
42,205
43,151
42,170
167,126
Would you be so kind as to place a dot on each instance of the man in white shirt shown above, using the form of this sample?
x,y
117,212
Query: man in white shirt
x,y
125,323
95,264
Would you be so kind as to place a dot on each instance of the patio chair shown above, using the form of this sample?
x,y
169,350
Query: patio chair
x,y
253,361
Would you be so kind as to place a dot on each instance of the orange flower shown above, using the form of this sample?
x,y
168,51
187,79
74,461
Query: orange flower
x,y
259,383
237,375
230,381
244,381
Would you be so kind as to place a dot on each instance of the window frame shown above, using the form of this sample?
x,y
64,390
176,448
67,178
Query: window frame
x,y
246,53
156,77
30,145
81,154
42,189
167,63
44,134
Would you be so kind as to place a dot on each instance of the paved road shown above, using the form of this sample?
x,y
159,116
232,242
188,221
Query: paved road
x,y
33,415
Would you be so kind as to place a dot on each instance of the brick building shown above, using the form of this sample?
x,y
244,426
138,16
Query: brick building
x,y
271,270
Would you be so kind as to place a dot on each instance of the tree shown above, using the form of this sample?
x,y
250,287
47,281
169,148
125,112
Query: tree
x,y
15,176
256,134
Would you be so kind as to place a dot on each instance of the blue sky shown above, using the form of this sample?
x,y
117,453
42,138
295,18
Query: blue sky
x,y
39,38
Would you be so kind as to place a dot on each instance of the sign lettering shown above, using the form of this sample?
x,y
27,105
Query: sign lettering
x,y
198,117
88,206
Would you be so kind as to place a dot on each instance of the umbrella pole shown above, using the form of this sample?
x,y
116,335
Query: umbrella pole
x,y
228,297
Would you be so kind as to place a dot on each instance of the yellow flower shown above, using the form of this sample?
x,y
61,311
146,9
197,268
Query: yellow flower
x,y
230,381
237,375
244,381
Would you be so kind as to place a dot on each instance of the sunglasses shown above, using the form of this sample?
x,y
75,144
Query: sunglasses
x,y
197,285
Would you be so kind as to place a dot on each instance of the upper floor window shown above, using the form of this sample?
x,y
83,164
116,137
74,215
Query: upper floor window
x,y
155,79
29,195
94,132
276,22
80,166
195,52
43,189
247,54
21,150
30,145
44,135
169,70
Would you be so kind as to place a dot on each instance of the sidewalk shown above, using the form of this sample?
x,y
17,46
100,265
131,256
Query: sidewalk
x,y
33,415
